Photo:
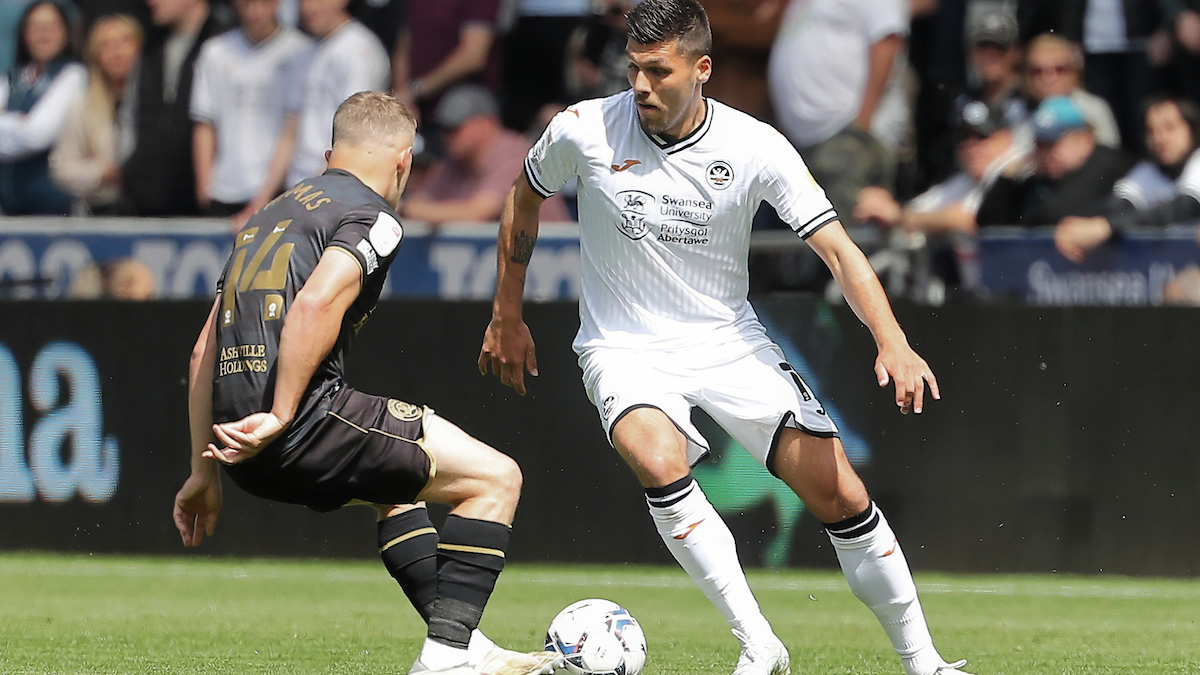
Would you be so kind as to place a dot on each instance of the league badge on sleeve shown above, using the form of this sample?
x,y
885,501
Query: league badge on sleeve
x,y
385,234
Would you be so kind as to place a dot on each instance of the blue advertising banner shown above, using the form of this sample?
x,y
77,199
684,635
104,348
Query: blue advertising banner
x,y
43,257
1024,264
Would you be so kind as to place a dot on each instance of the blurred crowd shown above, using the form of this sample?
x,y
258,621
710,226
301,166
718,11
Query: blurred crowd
x,y
922,117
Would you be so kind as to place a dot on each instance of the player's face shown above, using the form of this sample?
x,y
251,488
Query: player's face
x,y
1168,136
667,86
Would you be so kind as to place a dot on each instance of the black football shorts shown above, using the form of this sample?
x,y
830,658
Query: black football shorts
x,y
362,447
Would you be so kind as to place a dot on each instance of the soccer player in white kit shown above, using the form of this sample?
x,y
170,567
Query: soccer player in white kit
x,y
668,184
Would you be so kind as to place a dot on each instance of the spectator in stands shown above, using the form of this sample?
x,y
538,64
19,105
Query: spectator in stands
x,y
946,211
159,178
85,162
1054,67
1072,176
830,75
986,151
447,42
245,121
348,59
1116,38
535,58
994,55
1163,189
34,99
482,157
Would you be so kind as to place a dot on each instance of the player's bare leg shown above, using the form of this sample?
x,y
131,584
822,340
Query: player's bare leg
x,y
695,534
818,471
482,486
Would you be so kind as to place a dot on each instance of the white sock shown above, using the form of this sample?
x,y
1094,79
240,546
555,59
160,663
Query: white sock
x,y
438,656
704,547
878,574
478,647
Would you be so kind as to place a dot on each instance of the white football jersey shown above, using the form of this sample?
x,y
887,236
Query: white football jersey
x,y
241,89
664,228
349,60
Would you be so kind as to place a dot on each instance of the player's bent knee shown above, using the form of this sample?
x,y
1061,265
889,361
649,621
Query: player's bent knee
x,y
658,467
507,477
838,505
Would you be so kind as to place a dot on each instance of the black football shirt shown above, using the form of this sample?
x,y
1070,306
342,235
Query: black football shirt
x,y
274,255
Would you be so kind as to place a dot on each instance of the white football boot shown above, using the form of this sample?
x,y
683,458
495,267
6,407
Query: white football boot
x,y
501,661
932,663
952,668
763,658
419,668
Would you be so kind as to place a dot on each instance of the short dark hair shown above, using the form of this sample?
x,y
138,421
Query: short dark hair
x,y
682,21
1187,110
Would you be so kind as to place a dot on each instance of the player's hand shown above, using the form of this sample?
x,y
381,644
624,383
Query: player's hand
x,y
1075,236
197,505
508,348
901,364
244,438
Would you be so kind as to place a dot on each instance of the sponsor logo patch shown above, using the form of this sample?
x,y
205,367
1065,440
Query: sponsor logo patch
x,y
405,412
634,205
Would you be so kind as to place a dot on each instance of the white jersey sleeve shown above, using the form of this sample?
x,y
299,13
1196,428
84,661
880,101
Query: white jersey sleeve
x,y
203,106
555,158
786,184
1188,182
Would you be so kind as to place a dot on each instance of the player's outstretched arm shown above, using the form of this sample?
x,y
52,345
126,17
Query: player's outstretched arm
x,y
310,329
507,343
198,502
896,361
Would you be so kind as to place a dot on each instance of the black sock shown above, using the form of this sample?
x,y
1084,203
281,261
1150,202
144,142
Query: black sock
x,y
855,526
408,547
470,556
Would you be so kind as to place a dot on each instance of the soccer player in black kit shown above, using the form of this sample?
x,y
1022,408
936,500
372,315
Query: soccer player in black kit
x,y
267,398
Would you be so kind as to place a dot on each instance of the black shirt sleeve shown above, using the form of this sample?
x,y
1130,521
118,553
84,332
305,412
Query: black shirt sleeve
x,y
372,236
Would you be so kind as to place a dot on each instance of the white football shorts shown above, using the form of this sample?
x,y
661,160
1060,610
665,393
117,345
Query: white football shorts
x,y
752,397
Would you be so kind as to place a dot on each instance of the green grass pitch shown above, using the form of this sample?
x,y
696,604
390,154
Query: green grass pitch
x,y
102,614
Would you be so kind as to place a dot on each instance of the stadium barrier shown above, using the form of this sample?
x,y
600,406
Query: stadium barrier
x,y
1061,443
40,258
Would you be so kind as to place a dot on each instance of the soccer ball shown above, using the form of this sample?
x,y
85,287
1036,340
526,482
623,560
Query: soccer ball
x,y
598,637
